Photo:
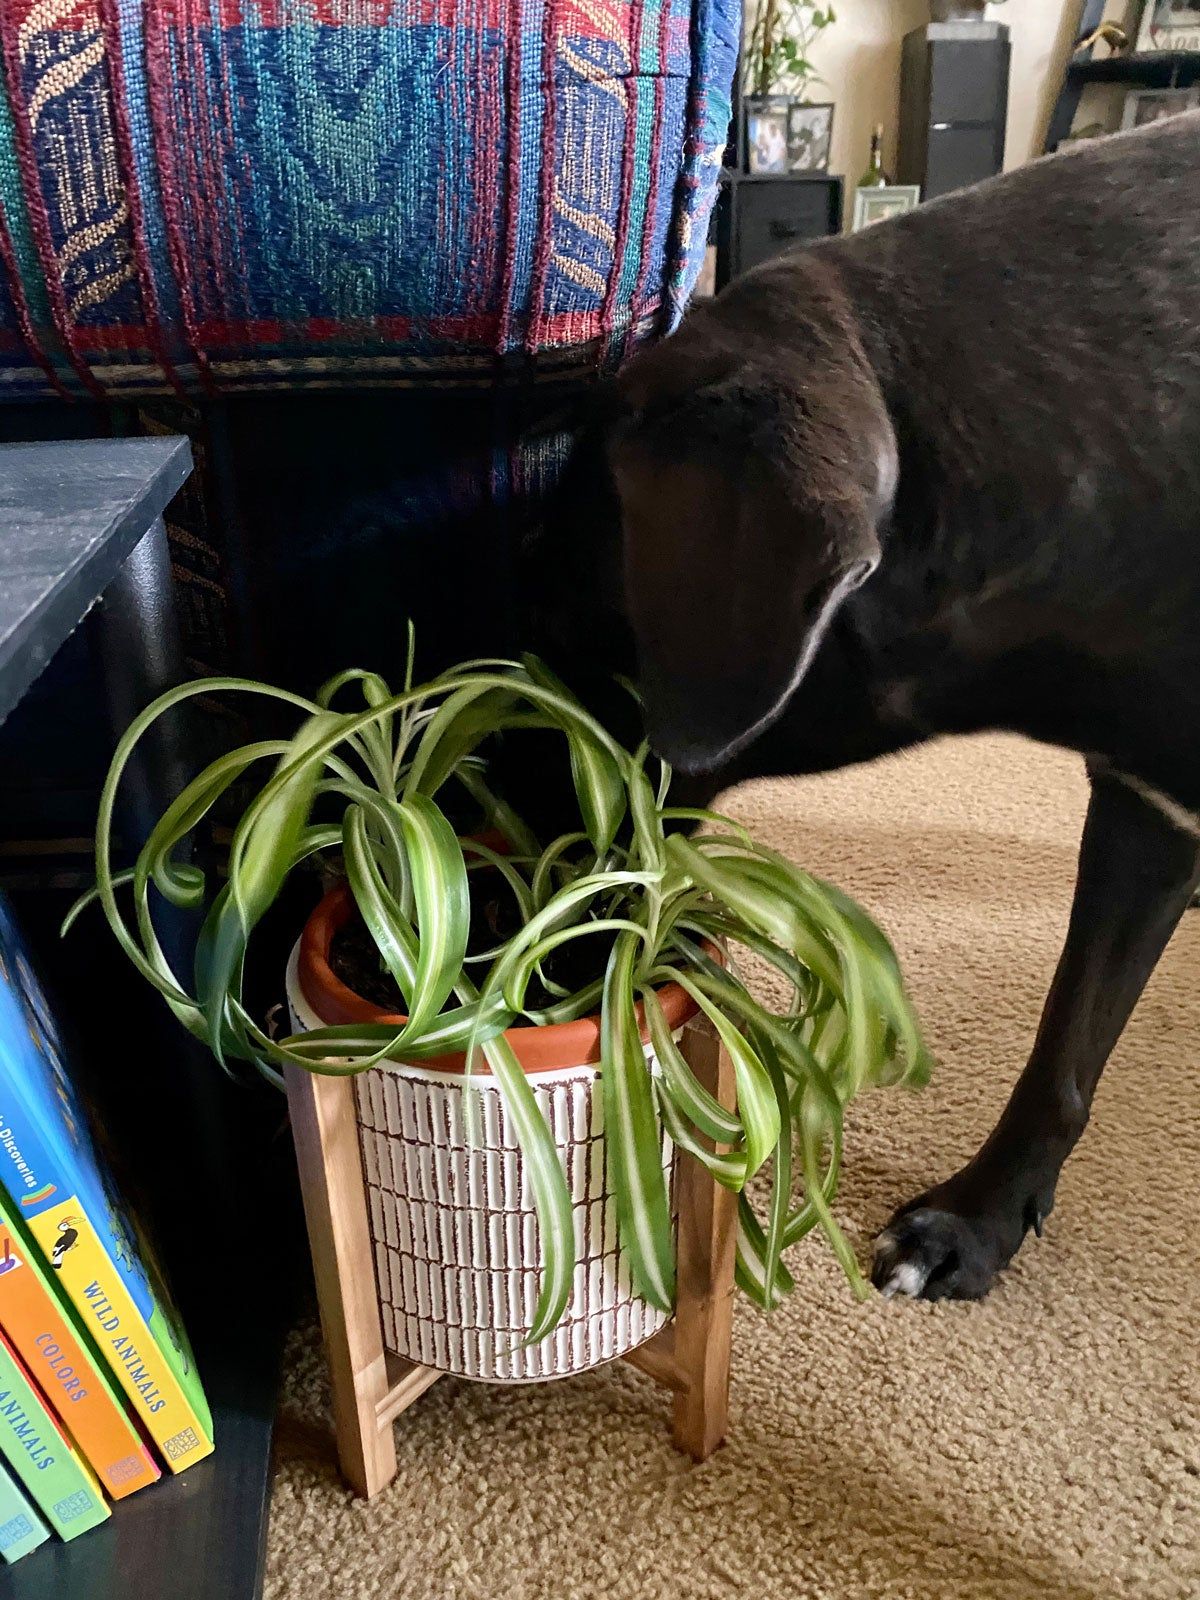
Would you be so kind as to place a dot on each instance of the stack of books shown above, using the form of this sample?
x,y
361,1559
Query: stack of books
x,y
98,1389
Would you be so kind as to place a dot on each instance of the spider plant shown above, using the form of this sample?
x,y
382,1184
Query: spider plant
x,y
780,36
366,779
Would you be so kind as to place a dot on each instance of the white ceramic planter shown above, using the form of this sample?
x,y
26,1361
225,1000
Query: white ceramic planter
x,y
456,1239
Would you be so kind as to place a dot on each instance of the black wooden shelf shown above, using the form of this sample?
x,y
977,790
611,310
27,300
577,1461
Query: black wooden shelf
x,y
1151,69
199,1536
82,541
70,516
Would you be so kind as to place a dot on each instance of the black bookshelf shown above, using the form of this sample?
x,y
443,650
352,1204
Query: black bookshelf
x,y
200,1536
1149,69
84,563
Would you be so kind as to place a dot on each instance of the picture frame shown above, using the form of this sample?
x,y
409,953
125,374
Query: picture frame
x,y
1143,106
877,205
1169,25
766,125
810,136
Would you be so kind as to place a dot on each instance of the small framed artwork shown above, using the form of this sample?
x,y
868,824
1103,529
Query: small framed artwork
x,y
1170,25
767,133
1152,105
877,205
810,134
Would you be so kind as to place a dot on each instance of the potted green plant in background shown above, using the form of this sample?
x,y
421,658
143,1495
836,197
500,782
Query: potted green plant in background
x,y
787,129
779,44
510,1006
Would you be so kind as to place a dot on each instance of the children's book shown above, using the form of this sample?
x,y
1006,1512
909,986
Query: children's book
x,y
43,1459
21,1529
41,1329
62,1193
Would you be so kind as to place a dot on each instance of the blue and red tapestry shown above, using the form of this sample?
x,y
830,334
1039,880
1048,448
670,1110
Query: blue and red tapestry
x,y
208,195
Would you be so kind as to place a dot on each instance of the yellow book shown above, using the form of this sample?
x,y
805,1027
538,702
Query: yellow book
x,y
43,1329
137,1340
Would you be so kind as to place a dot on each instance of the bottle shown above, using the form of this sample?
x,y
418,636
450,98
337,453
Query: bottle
x,y
875,177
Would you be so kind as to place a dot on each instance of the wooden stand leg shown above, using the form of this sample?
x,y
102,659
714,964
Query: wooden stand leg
x,y
707,1251
325,1131
691,1354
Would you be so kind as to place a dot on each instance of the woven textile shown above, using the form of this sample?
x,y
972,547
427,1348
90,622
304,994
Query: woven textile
x,y
204,195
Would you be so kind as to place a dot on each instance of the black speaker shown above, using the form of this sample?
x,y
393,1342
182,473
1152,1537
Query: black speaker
x,y
953,105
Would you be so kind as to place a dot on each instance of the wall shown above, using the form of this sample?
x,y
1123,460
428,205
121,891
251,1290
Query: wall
x,y
1042,34
859,58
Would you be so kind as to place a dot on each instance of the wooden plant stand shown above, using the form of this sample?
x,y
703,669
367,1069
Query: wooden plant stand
x,y
372,1387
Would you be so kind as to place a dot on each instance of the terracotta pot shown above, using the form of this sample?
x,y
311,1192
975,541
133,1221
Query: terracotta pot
x,y
457,1253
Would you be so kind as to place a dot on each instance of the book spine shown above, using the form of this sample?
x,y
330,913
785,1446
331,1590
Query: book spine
x,y
123,1336
21,1529
52,1472
41,1330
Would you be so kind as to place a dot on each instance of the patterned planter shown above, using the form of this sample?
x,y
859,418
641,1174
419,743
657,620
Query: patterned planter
x,y
455,1236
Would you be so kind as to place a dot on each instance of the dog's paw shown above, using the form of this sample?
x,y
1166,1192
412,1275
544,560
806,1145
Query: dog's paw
x,y
930,1254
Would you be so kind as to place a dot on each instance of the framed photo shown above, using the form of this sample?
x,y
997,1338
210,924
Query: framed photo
x,y
1170,25
810,133
1152,105
767,133
877,205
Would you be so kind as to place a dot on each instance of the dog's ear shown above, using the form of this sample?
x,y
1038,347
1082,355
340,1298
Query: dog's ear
x,y
749,514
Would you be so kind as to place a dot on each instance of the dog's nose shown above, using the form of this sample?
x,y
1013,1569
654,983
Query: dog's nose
x,y
686,749
697,726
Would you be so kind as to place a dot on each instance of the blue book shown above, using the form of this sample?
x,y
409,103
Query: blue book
x,y
63,1194
21,1529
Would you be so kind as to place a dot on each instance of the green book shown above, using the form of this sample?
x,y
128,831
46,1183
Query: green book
x,y
21,1529
42,1457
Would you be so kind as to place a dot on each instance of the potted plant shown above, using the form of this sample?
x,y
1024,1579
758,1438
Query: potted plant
x,y
779,42
511,1007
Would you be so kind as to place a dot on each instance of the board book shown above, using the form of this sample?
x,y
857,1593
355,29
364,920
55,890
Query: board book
x,y
41,1329
63,1195
21,1529
50,1469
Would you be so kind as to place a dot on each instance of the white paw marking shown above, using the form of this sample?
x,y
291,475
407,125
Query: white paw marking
x,y
908,1278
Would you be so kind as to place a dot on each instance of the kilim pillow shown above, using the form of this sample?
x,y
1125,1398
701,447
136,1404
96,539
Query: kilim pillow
x,y
200,196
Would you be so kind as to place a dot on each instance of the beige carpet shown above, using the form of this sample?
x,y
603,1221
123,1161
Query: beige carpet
x,y
1043,1445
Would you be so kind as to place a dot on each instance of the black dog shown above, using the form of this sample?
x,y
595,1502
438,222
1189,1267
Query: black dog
x,y
938,477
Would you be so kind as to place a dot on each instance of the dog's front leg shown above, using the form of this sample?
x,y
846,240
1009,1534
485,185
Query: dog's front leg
x,y
1139,865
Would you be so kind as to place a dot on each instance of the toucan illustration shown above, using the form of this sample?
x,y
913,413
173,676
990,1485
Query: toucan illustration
x,y
68,1233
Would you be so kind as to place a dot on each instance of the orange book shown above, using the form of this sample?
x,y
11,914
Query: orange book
x,y
41,1328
